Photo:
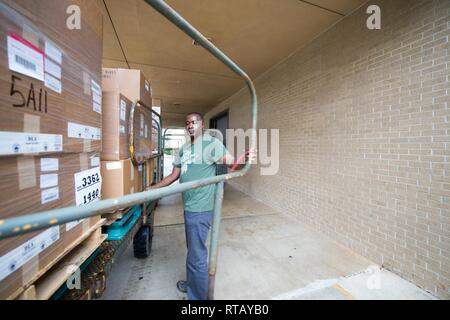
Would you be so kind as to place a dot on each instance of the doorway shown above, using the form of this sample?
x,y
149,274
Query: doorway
x,y
220,122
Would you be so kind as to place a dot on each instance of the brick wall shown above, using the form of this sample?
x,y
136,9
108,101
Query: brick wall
x,y
364,137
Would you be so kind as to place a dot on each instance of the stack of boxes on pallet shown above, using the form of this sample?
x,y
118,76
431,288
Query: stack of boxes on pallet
x,y
65,130
50,129
127,133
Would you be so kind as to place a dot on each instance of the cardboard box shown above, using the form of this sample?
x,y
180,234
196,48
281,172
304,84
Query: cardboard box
x,y
119,178
142,135
138,175
131,83
38,183
36,45
150,167
156,106
23,258
115,127
34,184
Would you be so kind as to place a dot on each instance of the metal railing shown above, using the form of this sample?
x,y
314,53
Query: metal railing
x,y
45,219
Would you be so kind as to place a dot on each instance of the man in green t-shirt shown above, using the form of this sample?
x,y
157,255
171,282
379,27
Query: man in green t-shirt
x,y
197,160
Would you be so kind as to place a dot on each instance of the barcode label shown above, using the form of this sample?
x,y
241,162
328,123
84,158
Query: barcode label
x,y
24,57
27,64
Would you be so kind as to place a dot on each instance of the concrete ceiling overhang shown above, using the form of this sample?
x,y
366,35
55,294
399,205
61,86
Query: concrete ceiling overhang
x,y
256,34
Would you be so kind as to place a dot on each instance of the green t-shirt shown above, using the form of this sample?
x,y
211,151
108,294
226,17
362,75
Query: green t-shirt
x,y
198,161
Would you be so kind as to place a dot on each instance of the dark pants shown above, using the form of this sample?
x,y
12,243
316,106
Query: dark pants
x,y
197,225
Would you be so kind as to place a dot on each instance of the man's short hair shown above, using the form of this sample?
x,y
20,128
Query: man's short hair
x,y
195,113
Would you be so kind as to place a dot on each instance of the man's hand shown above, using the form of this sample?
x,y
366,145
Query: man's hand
x,y
167,180
251,155
238,164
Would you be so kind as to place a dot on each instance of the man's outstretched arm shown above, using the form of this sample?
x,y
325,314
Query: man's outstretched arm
x,y
229,160
167,180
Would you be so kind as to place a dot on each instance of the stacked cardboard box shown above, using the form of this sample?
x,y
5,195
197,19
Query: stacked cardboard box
x,y
116,126
47,84
121,178
127,137
50,128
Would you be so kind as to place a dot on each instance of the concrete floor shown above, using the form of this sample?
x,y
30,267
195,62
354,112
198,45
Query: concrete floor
x,y
263,254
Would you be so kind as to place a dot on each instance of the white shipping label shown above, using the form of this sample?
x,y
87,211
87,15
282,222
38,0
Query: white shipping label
x,y
79,131
123,110
142,121
97,107
52,68
146,132
53,52
88,186
49,164
48,180
115,165
23,143
96,96
95,161
16,258
25,58
122,129
147,86
53,83
140,168
49,195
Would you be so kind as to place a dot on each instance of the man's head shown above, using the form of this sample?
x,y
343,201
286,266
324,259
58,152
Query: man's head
x,y
194,124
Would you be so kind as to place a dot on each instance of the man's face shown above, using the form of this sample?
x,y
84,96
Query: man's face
x,y
194,125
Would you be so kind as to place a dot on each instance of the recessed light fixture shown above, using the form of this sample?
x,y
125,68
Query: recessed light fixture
x,y
177,104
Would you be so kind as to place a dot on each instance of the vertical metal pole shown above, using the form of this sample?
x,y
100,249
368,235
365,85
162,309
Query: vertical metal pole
x,y
142,187
214,240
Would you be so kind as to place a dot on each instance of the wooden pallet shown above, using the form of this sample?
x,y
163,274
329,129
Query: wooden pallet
x,y
58,275
112,217
38,288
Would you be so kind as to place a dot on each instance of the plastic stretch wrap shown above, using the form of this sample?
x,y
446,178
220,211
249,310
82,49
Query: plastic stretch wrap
x,y
50,78
142,134
50,127
116,128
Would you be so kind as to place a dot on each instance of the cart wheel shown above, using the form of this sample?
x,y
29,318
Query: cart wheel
x,y
142,242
